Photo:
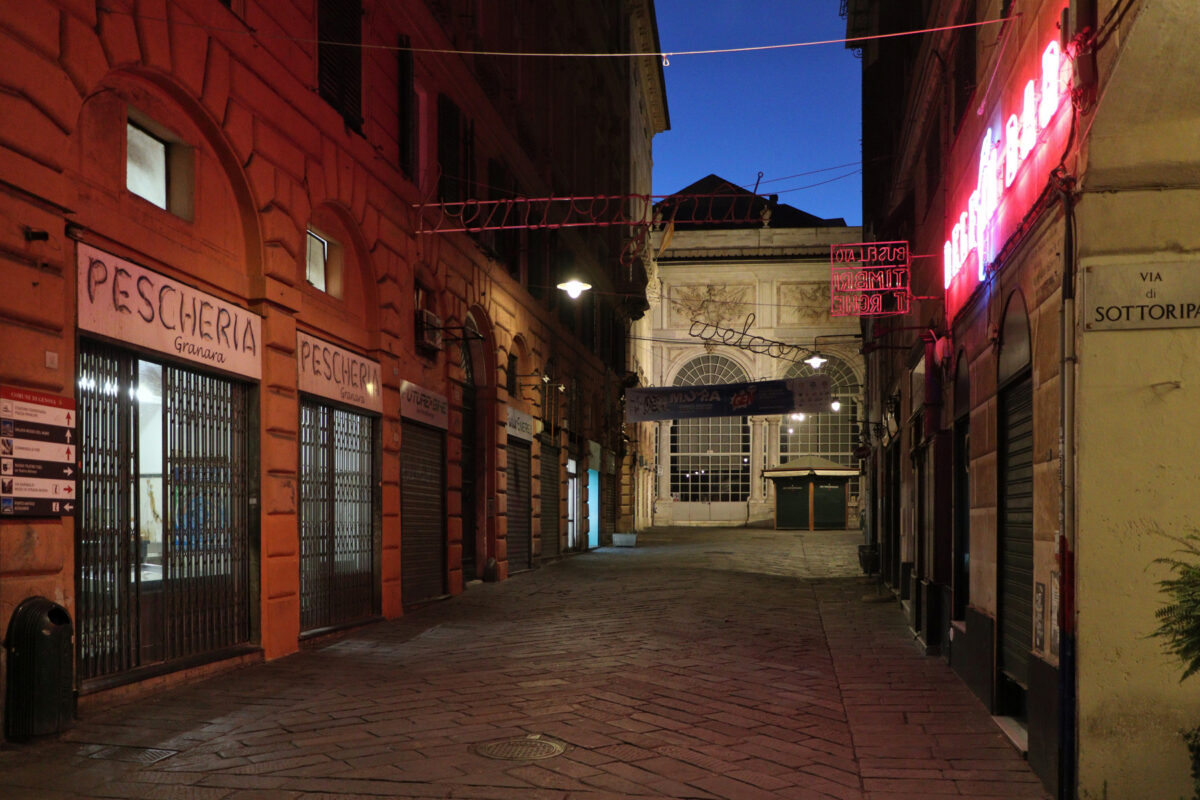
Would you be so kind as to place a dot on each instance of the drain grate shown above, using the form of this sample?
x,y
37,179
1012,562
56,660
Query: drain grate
x,y
134,755
528,748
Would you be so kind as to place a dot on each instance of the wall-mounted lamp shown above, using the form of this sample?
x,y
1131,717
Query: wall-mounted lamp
x,y
541,378
574,287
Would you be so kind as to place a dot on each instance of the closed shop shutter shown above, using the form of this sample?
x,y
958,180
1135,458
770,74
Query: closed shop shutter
x,y
791,505
829,505
551,491
609,497
518,499
422,513
469,496
1016,531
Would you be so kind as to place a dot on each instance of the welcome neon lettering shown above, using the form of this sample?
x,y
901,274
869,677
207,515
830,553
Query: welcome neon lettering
x,y
999,161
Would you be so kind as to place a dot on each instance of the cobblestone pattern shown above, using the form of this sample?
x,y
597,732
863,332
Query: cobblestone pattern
x,y
733,664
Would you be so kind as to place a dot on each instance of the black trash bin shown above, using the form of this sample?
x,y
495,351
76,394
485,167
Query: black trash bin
x,y
39,696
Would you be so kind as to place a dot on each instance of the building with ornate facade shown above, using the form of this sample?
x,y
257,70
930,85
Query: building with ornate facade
x,y
729,259
263,378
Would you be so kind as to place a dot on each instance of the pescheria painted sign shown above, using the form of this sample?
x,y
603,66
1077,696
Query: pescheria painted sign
x,y
810,395
1013,160
121,300
326,370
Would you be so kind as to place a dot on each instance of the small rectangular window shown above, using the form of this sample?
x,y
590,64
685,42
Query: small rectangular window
x,y
318,257
146,165
408,106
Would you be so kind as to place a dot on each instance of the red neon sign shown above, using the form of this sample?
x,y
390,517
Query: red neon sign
x,y
1008,154
869,279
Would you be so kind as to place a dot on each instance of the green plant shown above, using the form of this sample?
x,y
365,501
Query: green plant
x,y
1179,619
1179,625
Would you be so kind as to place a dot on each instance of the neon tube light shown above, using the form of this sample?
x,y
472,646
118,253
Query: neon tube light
x,y
1000,159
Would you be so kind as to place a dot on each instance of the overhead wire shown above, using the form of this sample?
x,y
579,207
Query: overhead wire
x,y
248,30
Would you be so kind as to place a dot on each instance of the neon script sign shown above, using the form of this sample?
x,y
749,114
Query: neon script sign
x,y
1000,158
869,279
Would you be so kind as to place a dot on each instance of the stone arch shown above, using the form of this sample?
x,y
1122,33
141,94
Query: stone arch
x,y
482,347
1015,354
351,308
223,242
683,360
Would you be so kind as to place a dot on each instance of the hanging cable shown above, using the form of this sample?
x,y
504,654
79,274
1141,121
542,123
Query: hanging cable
x,y
665,56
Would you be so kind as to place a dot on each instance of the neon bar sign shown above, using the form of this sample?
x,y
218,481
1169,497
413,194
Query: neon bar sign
x,y
863,276
1000,158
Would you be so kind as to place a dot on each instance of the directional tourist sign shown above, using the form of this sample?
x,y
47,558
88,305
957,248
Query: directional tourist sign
x,y
37,454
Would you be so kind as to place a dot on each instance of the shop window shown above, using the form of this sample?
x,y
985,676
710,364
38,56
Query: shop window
x,y
164,533
158,167
323,264
339,58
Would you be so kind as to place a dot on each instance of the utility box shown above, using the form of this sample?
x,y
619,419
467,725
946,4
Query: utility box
x,y
39,694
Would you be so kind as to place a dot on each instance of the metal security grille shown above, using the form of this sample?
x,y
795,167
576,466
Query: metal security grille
x,y
710,456
163,552
517,506
833,434
337,519
422,513
1016,531
106,600
205,572
551,491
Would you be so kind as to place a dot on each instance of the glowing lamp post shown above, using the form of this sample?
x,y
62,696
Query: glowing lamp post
x,y
574,287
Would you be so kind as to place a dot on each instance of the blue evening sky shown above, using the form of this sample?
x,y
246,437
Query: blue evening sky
x,y
782,112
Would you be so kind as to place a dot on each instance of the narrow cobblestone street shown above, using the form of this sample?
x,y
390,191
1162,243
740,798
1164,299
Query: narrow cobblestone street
x,y
739,664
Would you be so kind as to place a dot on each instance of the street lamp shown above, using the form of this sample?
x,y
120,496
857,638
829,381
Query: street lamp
x,y
574,287
815,361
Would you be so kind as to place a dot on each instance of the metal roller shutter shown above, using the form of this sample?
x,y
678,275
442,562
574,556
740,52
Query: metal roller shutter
x,y
518,498
422,513
469,496
1016,531
551,491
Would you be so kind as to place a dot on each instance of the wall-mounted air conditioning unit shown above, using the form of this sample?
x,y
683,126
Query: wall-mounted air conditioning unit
x,y
429,329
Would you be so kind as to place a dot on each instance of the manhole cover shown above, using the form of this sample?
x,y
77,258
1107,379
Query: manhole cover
x,y
136,755
528,748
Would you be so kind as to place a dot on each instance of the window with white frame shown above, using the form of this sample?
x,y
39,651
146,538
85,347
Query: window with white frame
x,y
833,434
323,263
710,456
318,258
146,165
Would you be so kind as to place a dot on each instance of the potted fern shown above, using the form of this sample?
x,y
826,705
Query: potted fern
x,y
1179,625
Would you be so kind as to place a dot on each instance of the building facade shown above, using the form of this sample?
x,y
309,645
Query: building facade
x,y
263,378
1031,416
727,259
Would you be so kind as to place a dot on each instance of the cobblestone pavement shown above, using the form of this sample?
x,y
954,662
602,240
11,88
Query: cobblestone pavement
x,y
737,663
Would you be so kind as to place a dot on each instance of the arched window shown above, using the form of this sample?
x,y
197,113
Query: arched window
x,y
710,456
832,434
